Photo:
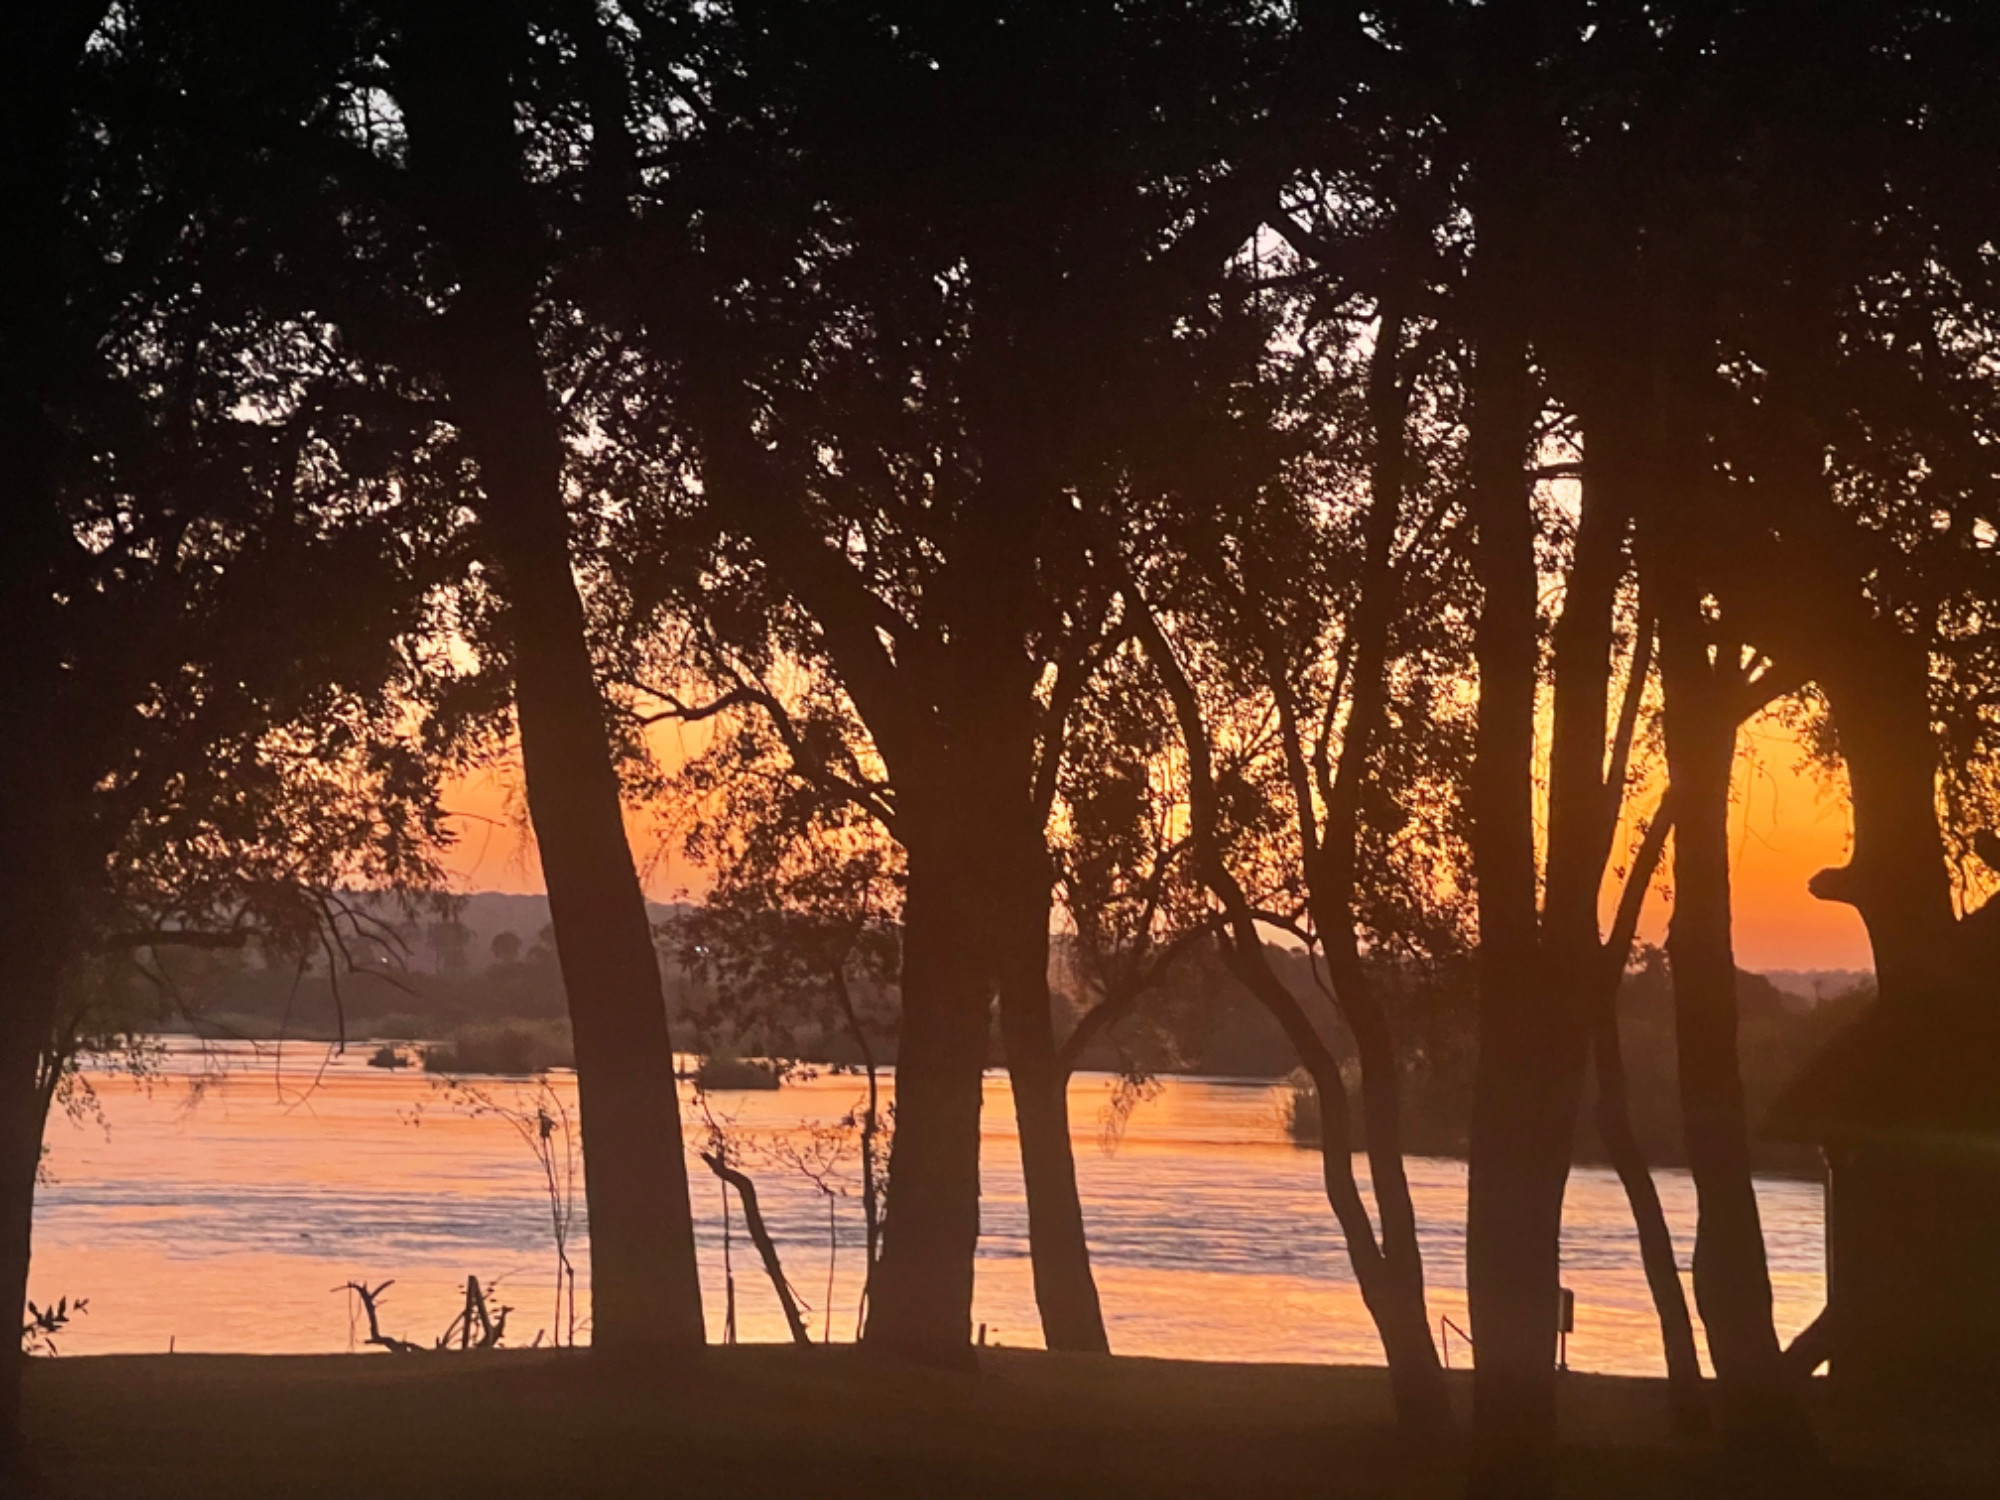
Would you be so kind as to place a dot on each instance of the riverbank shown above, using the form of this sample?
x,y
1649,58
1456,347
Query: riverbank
x,y
761,1421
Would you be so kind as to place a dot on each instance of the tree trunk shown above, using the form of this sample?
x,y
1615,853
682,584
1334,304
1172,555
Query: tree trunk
x,y
1331,868
921,1302
1585,799
1392,1286
645,1289
1811,1346
1402,1314
1878,683
871,1127
767,1250
1531,1047
37,916
41,802
1394,1297
1732,1282
21,1125
1685,1401
454,81
1065,1291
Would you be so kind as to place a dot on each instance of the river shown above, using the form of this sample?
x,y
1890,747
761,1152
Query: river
x,y
222,1204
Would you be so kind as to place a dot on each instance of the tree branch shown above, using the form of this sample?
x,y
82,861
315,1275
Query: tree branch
x,y
1617,947
753,1219
1115,1006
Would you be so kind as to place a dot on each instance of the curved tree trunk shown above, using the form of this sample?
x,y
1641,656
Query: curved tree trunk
x,y
454,83
1414,1365
1391,1282
1878,684
1393,1292
1732,1283
1685,1401
1331,868
767,1250
1065,1291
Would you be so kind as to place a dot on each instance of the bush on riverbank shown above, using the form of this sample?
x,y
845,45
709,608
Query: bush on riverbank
x,y
723,1069
508,1047
1298,1108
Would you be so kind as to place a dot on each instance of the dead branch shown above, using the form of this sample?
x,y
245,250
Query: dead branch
x,y
368,1295
753,1219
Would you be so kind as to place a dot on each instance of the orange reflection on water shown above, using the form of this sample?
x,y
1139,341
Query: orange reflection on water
x,y
228,1223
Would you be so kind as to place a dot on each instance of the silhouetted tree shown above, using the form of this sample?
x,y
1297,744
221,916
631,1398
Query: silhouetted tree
x,y
1855,439
457,73
213,597
932,313
1289,595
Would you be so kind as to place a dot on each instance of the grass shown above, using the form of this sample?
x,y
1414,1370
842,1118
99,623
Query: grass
x,y
762,1421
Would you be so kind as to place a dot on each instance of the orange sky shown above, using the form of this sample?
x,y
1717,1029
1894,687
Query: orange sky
x,y
496,851
1787,825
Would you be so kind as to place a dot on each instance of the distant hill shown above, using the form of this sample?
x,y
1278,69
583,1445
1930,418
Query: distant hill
x,y
487,914
1820,984
482,917
411,976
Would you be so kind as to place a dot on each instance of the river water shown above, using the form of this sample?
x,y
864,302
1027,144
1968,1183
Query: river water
x,y
223,1203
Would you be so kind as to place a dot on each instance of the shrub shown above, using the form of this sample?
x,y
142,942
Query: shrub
x,y
1298,1108
725,1070
512,1047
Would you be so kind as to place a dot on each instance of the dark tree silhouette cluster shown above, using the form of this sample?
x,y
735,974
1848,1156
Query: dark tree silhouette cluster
x,y
1106,487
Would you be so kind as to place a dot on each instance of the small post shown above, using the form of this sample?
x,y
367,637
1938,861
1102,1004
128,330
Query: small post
x,y
1565,1325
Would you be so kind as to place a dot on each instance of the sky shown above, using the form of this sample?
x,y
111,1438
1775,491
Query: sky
x,y
1786,824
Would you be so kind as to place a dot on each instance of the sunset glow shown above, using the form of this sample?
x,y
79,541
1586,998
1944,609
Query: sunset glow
x,y
1788,822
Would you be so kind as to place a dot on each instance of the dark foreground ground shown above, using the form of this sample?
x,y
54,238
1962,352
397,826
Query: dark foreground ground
x,y
765,1421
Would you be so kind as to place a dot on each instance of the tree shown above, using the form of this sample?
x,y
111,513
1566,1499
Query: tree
x,y
217,606
1746,379
1293,600
456,71
895,377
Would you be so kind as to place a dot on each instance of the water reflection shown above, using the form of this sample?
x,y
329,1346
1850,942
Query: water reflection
x,y
226,1223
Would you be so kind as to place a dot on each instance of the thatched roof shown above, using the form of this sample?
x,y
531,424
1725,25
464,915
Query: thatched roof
x,y
1921,1072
